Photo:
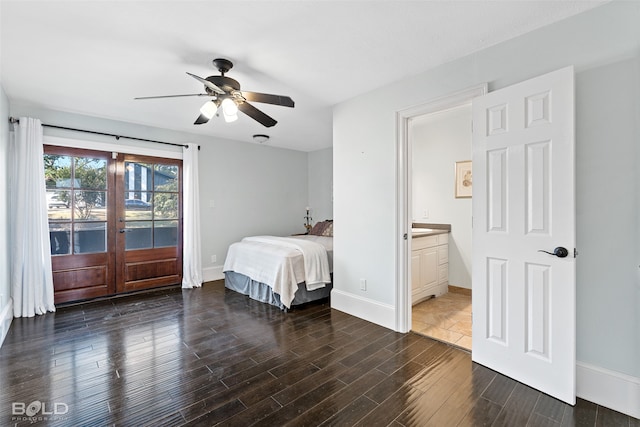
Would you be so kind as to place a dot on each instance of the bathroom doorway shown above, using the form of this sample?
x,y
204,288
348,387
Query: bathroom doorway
x,y
440,144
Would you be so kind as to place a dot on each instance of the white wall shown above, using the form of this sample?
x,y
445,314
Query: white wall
x,y
603,44
6,313
255,189
320,165
438,141
608,219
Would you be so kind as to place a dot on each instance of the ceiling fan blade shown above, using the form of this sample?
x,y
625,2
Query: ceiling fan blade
x,y
202,119
172,96
266,98
207,83
256,114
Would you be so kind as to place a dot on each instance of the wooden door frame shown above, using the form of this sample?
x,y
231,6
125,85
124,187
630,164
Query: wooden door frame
x,y
403,188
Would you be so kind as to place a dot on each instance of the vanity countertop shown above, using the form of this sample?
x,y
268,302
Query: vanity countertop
x,y
423,230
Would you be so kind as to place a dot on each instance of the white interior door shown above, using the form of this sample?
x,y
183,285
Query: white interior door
x,y
524,202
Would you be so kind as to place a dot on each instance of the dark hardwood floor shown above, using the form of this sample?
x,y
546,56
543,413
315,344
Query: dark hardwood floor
x,y
211,356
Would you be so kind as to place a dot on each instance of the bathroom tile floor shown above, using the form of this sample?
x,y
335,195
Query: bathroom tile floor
x,y
446,318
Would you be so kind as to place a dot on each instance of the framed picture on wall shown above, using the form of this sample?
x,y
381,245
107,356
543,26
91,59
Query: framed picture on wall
x,y
464,179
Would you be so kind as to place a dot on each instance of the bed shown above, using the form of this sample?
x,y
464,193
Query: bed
x,y
283,271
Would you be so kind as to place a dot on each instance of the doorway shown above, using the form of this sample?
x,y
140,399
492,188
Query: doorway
x,y
405,212
115,222
440,143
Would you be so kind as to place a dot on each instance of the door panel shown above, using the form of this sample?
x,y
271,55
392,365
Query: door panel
x,y
524,202
149,222
79,193
496,300
151,268
82,277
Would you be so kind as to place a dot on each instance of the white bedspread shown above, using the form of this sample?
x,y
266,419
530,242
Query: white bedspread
x,y
280,262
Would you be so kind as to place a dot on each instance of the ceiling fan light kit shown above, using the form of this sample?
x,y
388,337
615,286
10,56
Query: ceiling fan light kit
x,y
227,95
229,110
209,109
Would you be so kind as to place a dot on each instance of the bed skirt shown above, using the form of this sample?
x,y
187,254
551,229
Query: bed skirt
x,y
264,293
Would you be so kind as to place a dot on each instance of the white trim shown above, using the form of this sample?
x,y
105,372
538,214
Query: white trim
x,y
403,222
611,389
364,308
402,308
6,317
210,274
113,147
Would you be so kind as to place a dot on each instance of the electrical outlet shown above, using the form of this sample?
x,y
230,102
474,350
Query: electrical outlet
x,y
363,284
425,214
212,204
214,258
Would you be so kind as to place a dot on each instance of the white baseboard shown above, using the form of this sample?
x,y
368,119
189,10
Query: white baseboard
x,y
611,389
210,274
6,316
364,308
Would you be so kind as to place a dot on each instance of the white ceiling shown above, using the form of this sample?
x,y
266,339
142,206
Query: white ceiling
x,y
93,57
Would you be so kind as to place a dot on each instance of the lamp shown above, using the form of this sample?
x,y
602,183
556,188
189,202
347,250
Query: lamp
x,y
307,221
260,138
229,110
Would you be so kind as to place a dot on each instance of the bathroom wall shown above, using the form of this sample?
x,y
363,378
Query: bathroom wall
x,y
438,141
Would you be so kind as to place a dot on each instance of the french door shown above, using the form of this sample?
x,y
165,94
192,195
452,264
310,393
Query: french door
x,y
115,222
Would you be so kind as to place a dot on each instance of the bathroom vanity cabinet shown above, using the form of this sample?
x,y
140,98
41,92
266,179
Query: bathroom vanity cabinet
x,y
429,265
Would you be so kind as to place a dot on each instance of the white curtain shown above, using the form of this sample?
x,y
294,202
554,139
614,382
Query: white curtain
x,y
191,253
31,276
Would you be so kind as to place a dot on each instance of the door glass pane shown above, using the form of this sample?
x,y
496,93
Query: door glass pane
x,y
90,205
57,171
138,206
165,233
166,178
60,237
165,206
137,177
89,237
138,235
58,203
90,173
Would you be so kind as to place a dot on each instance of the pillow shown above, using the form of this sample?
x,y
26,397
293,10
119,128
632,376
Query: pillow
x,y
328,230
318,229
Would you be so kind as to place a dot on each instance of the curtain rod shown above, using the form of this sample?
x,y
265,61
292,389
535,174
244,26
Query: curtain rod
x,y
117,137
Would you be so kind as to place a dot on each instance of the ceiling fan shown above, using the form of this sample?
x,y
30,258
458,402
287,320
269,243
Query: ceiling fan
x,y
228,97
